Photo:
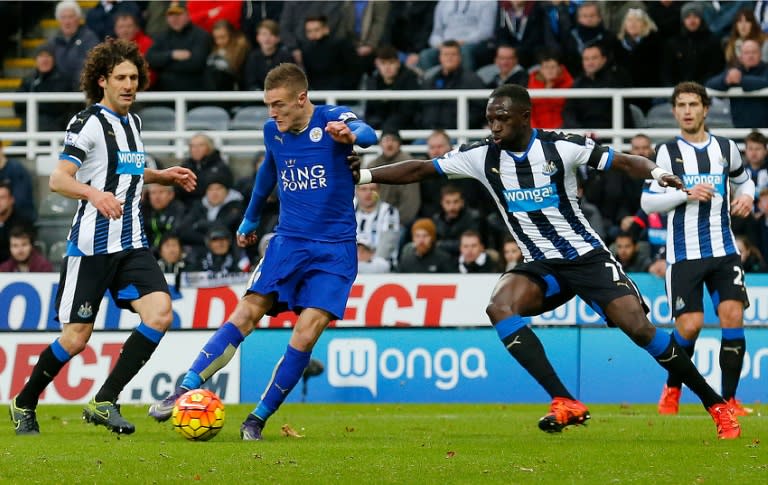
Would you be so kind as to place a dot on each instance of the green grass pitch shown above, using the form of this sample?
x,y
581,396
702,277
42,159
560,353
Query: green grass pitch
x,y
390,443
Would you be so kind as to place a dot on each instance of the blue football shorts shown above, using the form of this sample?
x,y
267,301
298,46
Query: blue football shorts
x,y
301,273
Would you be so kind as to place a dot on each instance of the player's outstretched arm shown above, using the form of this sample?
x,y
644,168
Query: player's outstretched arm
x,y
400,173
63,181
266,178
642,168
183,177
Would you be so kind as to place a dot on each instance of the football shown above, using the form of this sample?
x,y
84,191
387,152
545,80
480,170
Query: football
x,y
198,415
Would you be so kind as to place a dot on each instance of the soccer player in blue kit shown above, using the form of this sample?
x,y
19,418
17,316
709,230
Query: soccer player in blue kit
x,y
311,263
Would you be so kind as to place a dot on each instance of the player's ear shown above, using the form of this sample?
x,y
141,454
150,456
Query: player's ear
x,y
302,98
102,81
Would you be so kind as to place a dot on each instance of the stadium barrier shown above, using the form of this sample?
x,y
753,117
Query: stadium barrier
x,y
32,143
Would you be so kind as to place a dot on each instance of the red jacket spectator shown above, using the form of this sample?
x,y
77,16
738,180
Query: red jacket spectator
x,y
37,264
205,13
548,112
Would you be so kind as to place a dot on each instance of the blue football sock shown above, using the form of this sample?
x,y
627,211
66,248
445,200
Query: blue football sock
x,y
216,353
287,373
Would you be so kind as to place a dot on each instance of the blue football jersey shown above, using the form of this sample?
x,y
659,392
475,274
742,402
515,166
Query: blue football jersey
x,y
315,185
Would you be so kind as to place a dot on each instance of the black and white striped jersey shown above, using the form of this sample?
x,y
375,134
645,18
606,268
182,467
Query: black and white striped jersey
x,y
697,230
536,191
109,152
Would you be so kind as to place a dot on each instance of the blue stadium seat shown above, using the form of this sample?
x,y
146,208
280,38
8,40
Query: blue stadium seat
x,y
208,118
250,118
660,116
157,118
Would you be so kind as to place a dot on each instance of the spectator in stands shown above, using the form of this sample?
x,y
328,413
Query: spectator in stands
x,y
512,254
757,231
473,258
9,218
406,199
525,26
220,255
25,258
588,31
205,160
639,47
171,259
694,54
221,206
47,78
72,42
370,24
632,256
422,255
101,18
267,53
745,27
410,25
751,74
162,213
438,144
590,210
179,54
453,219
640,144
451,75
751,259
127,28
253,13
469,24
225,62
330,63
666,16
16,176
651,228
367,260
292,23
505,69
720,16
391,74
756,156
547,113
378,222
597,73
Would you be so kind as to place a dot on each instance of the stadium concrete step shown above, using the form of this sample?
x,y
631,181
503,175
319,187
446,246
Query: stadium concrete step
x,y
29,46
6,109
10,83
18,66
86,4
48,28
10,124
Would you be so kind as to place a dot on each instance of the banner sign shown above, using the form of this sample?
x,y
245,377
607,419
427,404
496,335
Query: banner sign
x,y
82,377
392,300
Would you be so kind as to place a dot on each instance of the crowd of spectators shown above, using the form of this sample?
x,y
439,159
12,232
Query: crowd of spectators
x,y
432,226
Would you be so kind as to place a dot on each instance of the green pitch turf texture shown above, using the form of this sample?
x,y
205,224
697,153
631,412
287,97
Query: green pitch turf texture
x,y
409,444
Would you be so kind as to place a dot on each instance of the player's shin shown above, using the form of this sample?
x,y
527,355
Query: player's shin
x,y
523,344
732,349
216,353
286,375
50,362
137,350
670,356
674,380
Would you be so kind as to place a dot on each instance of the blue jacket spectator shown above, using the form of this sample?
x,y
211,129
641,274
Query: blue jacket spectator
x,y
751,75
72,42
179,55
14,173
101,18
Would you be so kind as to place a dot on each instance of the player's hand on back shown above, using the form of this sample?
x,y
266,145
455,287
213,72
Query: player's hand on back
x,y
340,132
107,204
353,161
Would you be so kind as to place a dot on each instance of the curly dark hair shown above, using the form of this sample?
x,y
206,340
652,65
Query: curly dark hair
x,y
102,59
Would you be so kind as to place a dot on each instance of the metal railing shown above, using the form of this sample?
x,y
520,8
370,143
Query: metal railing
x,y
178,137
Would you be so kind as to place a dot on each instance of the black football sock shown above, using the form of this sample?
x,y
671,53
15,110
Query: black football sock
x,y
688,346
527,349
731,361
675,361
49,364
135,353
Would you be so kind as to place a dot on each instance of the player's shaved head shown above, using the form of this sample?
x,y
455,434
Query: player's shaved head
x,y
517,94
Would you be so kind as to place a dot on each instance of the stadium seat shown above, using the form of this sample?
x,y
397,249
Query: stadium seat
x,y
638,117
660,116
208,118
57,206
720,114
157,118
250,118
56,254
